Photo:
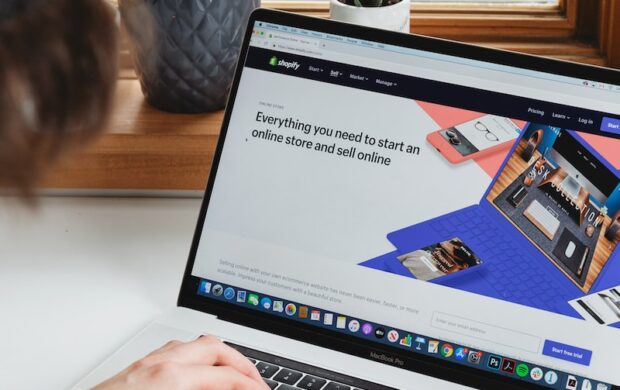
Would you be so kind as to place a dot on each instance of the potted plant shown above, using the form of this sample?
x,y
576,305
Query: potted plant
x,y
185,51
385,14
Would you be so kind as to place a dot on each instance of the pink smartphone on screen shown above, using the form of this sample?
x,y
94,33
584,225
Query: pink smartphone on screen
x,y
476,138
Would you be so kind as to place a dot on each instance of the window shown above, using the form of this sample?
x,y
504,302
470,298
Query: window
x,y
473,20
529,2
574,30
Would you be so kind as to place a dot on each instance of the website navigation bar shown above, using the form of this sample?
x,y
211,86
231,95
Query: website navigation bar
x,y
431,91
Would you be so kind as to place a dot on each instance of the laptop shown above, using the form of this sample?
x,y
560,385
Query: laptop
x,y
319,253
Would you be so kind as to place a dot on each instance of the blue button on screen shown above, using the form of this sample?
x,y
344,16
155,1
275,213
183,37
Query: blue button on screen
x,y
611,125
567,352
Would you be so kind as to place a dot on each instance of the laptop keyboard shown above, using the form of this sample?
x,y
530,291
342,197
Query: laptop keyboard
x,y
523,281
285,374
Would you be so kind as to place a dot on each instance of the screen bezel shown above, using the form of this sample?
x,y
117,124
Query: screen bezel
x,y
188,296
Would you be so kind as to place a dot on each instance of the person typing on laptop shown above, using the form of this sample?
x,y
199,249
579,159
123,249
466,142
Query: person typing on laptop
x,y
203,364
295,261
49,104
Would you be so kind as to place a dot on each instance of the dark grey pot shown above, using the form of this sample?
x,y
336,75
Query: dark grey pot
x,y
185,51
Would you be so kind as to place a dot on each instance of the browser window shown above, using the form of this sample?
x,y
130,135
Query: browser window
x,y
332,206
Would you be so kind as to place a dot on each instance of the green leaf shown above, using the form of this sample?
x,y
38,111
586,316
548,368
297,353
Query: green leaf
x,y
368,3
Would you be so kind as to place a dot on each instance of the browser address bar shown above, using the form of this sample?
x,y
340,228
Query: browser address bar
x,y
469,76
295,43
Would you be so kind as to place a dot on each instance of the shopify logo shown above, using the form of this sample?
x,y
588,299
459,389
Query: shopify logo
x,y
273,61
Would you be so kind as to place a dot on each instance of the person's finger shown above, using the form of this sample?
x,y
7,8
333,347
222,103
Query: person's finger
x,y
210,351
166,347
151,358
197,377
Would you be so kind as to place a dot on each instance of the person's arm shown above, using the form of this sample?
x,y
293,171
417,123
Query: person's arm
x,y
203,364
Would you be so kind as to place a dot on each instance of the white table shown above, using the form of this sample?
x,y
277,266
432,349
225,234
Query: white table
x,y
80,276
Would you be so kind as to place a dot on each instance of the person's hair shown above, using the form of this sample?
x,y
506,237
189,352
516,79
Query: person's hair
x,y
58,67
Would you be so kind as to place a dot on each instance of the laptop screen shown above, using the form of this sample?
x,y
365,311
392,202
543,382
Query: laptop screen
x,y
436,205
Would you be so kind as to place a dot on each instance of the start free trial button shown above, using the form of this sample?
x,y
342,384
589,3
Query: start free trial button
x,y
567,352
610,125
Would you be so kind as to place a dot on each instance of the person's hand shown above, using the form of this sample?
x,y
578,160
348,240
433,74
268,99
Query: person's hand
x,y
203,364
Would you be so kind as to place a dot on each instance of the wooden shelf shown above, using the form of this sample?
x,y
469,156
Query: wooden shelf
x,y
143,149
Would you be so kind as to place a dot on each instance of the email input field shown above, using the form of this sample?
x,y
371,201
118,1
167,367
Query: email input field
x,y
483,331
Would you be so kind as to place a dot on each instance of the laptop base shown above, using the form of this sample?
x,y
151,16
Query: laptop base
x,y
186,325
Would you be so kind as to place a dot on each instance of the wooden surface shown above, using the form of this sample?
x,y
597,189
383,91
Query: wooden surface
x,y
143,149
515,167
605,28
612,33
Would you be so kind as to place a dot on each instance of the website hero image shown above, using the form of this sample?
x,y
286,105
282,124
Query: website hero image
x,y
544,236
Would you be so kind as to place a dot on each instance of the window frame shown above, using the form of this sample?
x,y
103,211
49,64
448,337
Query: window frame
x,y
609,31
471,21
576,30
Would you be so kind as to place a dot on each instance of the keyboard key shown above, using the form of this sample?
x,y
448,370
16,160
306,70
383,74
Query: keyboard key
x,y
274,368
286,387
311,382
287,376
266,370
336,386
